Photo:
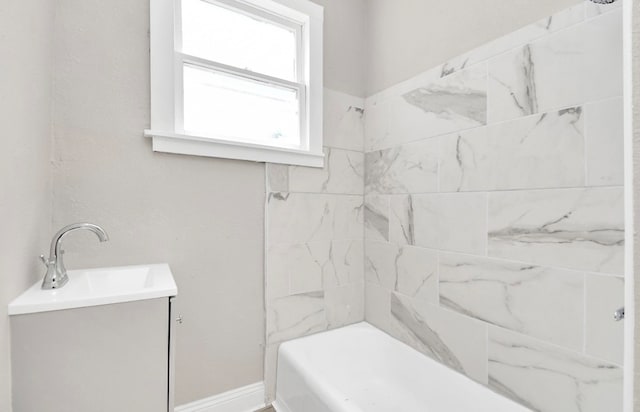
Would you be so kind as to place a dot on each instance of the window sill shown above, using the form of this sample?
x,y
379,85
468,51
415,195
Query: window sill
x,y
168,142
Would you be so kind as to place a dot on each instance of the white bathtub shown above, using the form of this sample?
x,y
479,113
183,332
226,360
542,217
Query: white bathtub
x,y
359,368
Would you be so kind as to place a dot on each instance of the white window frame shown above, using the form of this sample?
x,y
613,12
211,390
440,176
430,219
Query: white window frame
x,y
167,60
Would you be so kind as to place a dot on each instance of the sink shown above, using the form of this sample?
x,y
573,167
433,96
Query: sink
x,y
93,287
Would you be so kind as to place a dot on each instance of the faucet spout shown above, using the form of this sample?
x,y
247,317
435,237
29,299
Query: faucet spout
x,y
56,276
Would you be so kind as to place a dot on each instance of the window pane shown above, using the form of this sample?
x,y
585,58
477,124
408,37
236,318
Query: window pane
x,y
229,107
231,37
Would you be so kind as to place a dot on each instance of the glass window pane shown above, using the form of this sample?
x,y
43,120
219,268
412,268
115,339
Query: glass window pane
x,y
236,39
229,107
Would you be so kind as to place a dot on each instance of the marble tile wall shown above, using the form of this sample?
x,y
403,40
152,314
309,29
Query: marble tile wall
x,y
314,257
493,212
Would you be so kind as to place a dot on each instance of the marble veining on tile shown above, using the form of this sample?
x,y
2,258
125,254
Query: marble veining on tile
x,y
343,173
515,296
539,151
401,220
315,266
442,106
572,228
409,270
559,70
308,217
277,177
545,26
410,168
295,316
548,379
343,120
376,217
440,335
445,101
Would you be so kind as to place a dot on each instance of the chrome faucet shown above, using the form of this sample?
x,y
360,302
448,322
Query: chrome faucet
x,y
56,276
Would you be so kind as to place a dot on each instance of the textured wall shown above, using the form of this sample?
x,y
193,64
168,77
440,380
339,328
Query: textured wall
x,y
314,273
203,216
26,29
494,216
438,30
344,45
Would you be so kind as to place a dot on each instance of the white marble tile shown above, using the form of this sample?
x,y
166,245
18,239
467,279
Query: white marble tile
x,y
604,124
376,217
377,306
401,220
308,267
580,64
527,34
548,379
541,302
409,168
442,335
304,217
409,270
277,177
344,264
604,337
417,273
572,228
592,9
284,261
379,263
343,120
453,103
539,151
454,222
300,265
343,173
295,316
376,123
344,305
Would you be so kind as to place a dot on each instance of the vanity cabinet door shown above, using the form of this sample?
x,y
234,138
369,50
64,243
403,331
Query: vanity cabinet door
x,y
93,359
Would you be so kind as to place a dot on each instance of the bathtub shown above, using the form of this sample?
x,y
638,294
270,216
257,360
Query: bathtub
x,y
359,368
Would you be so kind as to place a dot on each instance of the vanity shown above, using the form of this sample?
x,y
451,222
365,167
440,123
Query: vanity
x,y
100,343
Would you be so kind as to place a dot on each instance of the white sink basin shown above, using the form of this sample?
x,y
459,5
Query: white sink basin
x,y
92,287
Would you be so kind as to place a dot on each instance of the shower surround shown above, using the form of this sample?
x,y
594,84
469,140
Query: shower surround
x,y
314,269
494,212
492,216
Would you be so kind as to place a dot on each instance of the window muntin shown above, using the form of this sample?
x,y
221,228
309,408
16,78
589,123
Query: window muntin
x,y
235,108
169,60
241,39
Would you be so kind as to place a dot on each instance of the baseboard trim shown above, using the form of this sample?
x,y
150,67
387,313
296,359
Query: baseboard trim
x,y
249,398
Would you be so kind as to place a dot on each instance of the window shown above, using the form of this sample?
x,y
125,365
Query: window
x,y
239,79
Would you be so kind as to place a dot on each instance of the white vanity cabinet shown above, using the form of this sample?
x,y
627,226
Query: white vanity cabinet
x,y
110,357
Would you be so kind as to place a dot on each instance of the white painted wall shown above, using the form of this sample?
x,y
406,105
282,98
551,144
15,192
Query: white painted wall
x,y
26,29
406,37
